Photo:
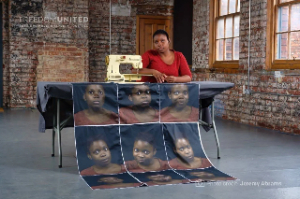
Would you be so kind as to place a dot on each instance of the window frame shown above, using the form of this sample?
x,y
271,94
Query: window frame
x,y
214,16
272,16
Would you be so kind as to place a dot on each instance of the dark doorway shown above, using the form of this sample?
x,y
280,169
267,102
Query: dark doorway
x,y
1,58
183,28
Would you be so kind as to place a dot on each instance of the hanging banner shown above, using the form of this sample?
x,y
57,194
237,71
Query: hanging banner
x,y
132,135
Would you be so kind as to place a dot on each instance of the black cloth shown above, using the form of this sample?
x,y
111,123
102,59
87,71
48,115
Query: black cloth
x,y
48,92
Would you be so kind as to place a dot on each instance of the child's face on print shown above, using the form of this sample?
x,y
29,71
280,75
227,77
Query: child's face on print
x,y
143,152
202,174
184,149
140,96
160,178
179,95
100,153
110,180
94,96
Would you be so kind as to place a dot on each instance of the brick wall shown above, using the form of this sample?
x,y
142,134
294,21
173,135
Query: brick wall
x,y
43,42
33,54
274,102
6,55
123,30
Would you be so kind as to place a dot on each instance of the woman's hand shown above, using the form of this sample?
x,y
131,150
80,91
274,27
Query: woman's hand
x,y
160,77
171,79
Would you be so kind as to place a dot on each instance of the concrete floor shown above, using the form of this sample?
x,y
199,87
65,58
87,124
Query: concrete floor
x,y
248,153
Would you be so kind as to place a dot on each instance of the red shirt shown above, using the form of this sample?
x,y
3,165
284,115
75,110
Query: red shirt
x,y
166,116
91,172
81,119
152,60
175,164
133,166
127,116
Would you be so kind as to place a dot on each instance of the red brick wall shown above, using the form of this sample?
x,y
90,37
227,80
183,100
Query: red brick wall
x,y
274,102
123,30
34,54
62,63
6,55
55,46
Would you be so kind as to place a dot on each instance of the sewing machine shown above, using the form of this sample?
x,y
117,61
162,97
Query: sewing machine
x,y
113,64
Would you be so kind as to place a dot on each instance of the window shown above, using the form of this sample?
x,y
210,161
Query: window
x,y
224,33
285,34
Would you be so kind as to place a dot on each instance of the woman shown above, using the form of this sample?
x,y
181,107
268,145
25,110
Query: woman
x,y
165,64
95,114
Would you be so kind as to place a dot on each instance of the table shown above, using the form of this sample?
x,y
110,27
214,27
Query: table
x,y
55,103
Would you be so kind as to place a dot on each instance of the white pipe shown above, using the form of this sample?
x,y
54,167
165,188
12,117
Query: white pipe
x,y
249,44
110,27
124,6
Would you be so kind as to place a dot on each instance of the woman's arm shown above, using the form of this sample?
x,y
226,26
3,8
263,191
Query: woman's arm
x,y
185,74
180,79
160,77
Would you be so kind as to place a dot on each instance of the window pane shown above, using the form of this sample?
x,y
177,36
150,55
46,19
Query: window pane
x,y
232,5
295,16
236,26
282,46
295,45
228,49
223,7
220,29
283,1
236,48
220,44
283,19
228,27
238,8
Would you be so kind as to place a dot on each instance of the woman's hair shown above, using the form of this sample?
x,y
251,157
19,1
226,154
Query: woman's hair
x,y
176,136
145,137
94,138
161,32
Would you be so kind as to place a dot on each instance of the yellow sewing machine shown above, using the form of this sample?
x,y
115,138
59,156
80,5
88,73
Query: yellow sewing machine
x,y
113,64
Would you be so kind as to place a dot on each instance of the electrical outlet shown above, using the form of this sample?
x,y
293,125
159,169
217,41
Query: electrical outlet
x,y
277,74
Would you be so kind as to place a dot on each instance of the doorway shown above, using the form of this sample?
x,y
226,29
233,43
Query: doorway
x,y
146,26
1,58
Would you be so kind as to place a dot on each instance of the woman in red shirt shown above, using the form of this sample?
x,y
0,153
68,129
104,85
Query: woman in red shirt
x,y
165,64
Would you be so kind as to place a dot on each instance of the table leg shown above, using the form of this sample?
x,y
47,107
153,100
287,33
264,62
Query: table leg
x,y
59,133
215,128
53,131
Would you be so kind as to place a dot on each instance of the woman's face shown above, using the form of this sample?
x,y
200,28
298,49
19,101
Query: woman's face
x,y
100,153
160,178
110,180
140,96
179,95
94,96
184,150
202,174
161,43
143,152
